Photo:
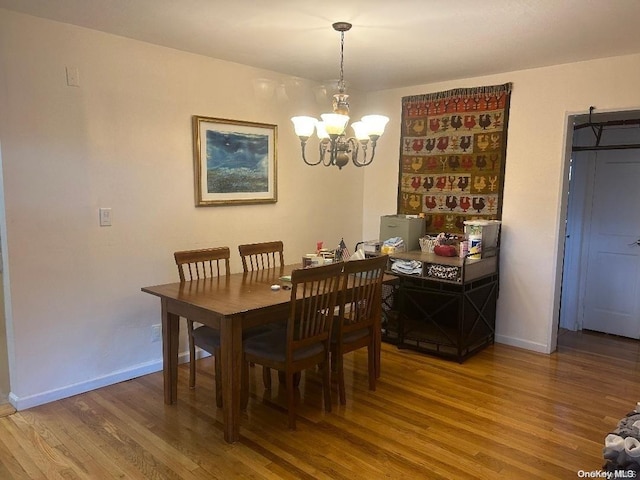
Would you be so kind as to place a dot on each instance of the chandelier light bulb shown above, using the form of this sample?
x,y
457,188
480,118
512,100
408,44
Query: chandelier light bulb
x,y
321,131
360,131
304,126
375,124
334,123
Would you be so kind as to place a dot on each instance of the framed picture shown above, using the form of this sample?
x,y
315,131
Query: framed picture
x,y
234,162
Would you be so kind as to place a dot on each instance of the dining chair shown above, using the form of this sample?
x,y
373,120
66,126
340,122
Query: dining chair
x,y
305,341
200,264
194,265
258,256
358,322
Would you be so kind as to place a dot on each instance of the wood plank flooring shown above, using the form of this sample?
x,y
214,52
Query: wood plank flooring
x,y
6,409
505,413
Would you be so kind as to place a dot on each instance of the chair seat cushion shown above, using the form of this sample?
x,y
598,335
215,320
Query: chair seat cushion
x,y
272,345
350,337
208,338
347,337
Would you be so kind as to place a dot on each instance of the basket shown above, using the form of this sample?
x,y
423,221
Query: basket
x,y
427,243
444,272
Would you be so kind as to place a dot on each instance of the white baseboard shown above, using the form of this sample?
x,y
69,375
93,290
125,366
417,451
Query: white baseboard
x,y
520,343
22,403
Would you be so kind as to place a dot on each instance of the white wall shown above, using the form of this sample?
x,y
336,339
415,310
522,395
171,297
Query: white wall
x,y
535,179
76,318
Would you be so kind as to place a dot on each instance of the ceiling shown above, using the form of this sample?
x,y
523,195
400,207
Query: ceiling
x,y
393,43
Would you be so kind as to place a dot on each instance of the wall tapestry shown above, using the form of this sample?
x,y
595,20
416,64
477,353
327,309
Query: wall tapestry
x,y
452,156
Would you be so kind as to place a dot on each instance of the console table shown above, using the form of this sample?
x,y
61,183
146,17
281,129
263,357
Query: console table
x,y
448,308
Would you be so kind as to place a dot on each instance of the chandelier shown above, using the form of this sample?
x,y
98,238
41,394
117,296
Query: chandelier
x,y
331,129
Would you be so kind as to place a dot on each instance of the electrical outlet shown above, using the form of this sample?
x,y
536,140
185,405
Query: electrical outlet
x,y
156,333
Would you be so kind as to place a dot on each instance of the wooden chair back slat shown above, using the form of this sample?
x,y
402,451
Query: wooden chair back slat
x,y
260,256
314,293
203,263
361,296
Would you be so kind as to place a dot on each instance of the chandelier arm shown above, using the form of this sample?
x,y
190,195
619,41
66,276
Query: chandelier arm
x,y
333,152
323,151
303,145
365,162
354,144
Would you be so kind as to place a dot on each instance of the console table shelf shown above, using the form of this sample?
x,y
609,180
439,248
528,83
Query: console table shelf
x,y
452,317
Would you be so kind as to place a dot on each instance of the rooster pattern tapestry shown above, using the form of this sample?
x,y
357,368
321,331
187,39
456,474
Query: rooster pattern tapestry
x,y
452,156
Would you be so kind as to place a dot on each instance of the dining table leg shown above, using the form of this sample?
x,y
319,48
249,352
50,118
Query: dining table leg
x,y
231,362
170,336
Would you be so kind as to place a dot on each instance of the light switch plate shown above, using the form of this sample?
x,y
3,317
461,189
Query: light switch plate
x,y
105,217
73,76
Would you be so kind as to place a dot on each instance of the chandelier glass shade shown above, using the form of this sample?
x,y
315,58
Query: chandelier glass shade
x,y
335,148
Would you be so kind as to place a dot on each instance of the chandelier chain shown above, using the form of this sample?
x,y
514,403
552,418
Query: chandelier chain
x,y
341,83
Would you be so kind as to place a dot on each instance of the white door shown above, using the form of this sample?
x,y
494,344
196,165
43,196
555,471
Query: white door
x,y
612,285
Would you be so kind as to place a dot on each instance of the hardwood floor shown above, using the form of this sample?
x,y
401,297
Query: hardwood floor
x,y
504,413
6,409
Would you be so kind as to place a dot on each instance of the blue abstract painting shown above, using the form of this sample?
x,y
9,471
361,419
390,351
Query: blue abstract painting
x,y
237,162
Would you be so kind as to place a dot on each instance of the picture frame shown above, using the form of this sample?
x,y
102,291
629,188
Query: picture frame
x,y
235,162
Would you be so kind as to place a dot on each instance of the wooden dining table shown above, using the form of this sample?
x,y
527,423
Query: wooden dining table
x,y
231,304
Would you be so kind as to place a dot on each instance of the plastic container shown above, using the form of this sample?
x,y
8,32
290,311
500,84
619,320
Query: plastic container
x,y
475,246
487,231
